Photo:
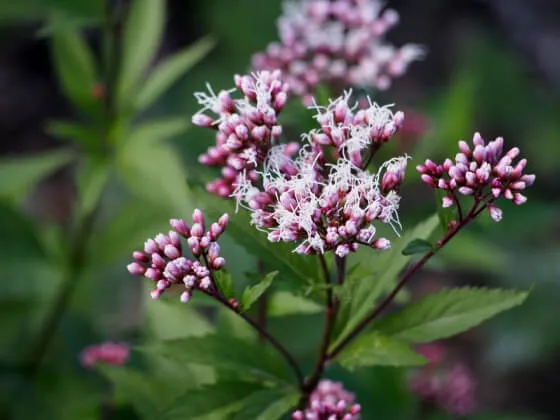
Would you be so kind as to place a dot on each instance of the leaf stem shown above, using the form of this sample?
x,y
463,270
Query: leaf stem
x,y
331,309
473,213
262,332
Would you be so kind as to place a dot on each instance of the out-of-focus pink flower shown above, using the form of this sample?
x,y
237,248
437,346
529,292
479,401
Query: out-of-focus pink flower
x,y
450,386
329,401
338,43
108,352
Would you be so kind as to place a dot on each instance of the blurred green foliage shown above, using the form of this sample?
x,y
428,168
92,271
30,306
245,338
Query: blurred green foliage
x,y
142,183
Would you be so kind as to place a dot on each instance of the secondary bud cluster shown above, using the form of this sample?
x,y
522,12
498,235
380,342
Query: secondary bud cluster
x,y
339,43
451,387
109,353
483,171
326,206
329,401
163,260
246,128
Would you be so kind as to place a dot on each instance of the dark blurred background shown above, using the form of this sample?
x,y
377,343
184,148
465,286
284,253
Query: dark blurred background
x,y
492,66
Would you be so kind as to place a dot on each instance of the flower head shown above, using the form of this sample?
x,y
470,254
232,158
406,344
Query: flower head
x,y
163,260
340,43
327,205
245,128
329,401
483,172
108,352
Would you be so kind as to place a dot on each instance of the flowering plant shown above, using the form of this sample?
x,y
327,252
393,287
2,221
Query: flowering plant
x,y
317,210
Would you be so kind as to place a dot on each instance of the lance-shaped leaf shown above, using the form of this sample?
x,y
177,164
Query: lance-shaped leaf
x,y
18,175
448,312
225,352
417,246
142,35
284,303
216,401
170,70
268,404
76,70
151,133
376,349
225,283
252,293
78,133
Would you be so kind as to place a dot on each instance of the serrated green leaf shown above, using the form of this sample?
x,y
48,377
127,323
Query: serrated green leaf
x,y
225,283
417,246
284,303
142,35
374,275
170,70
252,293
447,313
78,133
76,70
151,133
268,404
18,175
375,349
224,352
212,402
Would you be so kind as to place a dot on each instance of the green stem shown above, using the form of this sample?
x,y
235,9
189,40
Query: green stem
x,y
473,213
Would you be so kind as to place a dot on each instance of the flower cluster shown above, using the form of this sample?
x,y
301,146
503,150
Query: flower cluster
x,y
453,388
329,401
110,353
484,172
163,262
246,127
339,43
326,205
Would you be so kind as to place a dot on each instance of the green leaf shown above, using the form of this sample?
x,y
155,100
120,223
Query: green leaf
x,y
134,387
78,133
448,312
253,293
76,71
18,175
142,34
170,319
170,70
268,404
417,246
375,275
91,180
225,283
224,352
284,303
157,175
151,133
375,349
214,402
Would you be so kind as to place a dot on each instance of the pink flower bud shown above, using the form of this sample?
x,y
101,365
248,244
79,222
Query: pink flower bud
x,y
171,252
218,263
495,213
158,261
447,202
136,269
185,296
